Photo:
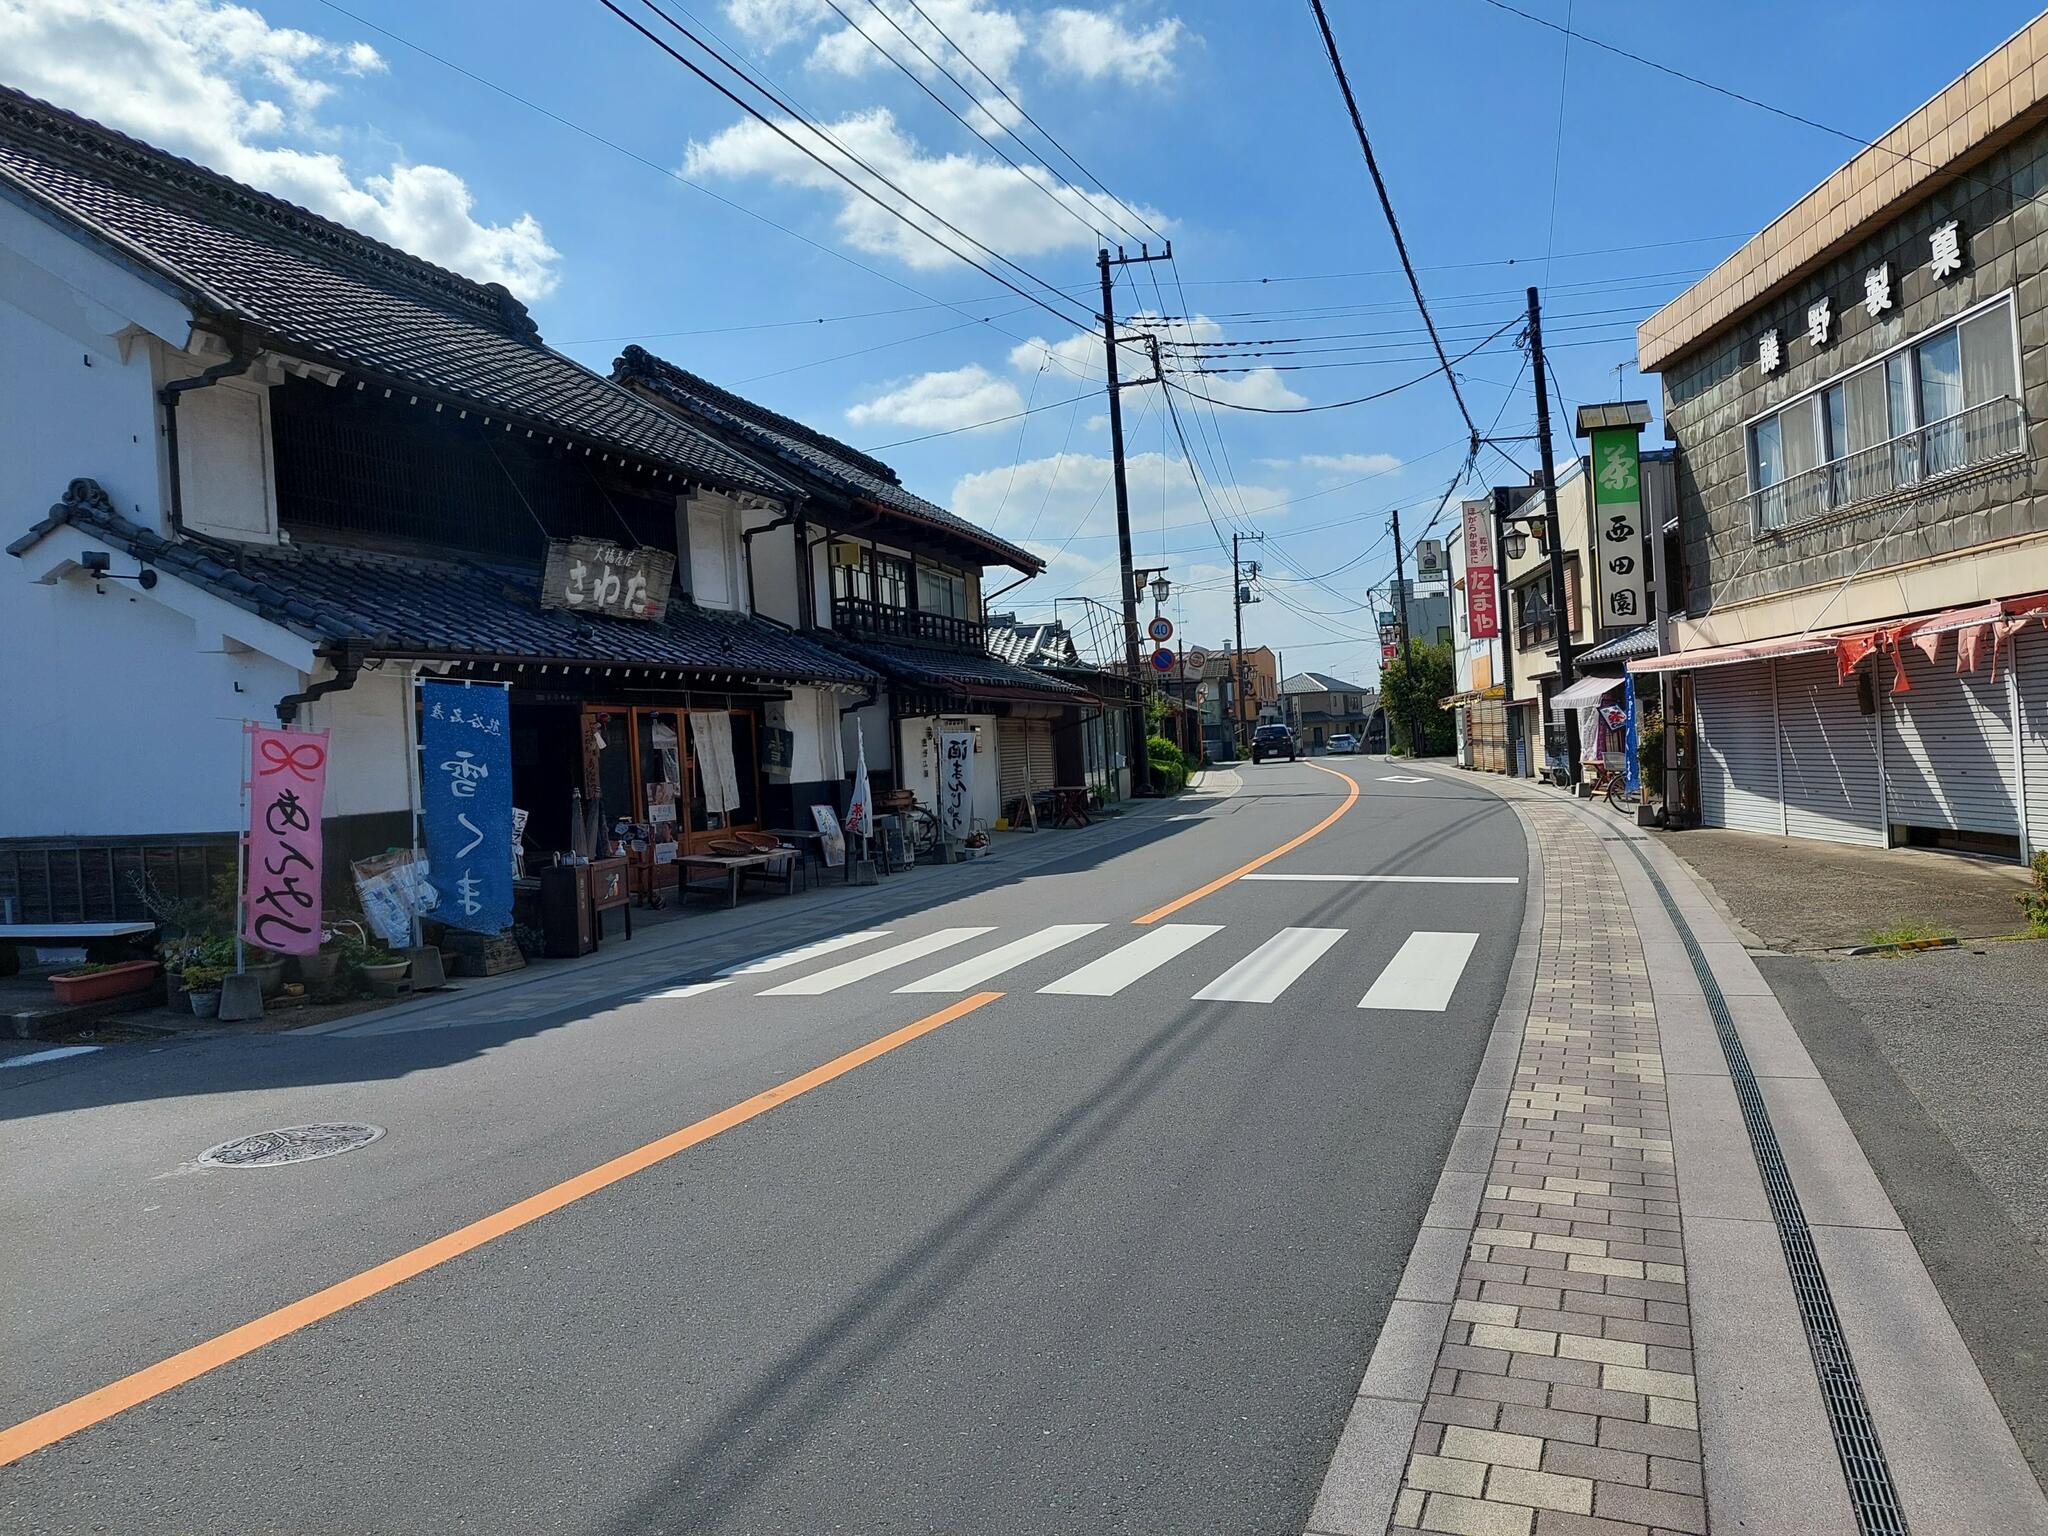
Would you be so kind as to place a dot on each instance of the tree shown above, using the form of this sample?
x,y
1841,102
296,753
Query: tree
x,y
1410,694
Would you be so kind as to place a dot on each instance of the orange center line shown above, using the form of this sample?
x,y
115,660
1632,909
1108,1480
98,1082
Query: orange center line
x,y
152,1381
1350,798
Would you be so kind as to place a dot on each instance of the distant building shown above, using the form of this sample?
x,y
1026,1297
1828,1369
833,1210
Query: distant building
x,y
1319,706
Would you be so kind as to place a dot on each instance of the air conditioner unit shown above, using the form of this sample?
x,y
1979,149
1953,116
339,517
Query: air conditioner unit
x,y
847,554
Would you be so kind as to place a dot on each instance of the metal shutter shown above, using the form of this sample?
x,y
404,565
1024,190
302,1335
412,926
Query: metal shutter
x,y
1038,746
1013,763
1737,749
1948,758
2032,654
1829,752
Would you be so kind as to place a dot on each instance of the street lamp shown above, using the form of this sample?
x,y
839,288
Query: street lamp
x,y
1516,541
1161,587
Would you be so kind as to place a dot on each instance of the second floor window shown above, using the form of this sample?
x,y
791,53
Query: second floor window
x,y
942,591
878,578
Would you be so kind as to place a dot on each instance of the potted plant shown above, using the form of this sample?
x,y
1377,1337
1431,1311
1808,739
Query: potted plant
x,y
267,968
96,980
202,988
383,970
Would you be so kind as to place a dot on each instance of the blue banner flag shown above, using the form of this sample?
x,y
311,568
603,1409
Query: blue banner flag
x,y
466,803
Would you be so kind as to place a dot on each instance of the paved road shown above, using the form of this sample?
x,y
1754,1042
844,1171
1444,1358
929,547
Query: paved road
x,y
1103,1251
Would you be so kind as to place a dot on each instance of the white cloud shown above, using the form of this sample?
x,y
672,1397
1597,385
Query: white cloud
x,y
1097,45
940,402
995,204
218,83
1080,355
1341,463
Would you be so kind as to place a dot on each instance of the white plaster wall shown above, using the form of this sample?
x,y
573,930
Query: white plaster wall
x,y
774,560
121,717
224,456
366,752
710,542
920,759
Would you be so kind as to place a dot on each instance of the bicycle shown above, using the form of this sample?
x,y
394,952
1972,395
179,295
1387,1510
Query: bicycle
x,y
1619,795
922,828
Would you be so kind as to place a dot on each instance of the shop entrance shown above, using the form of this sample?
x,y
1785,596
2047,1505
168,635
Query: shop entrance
x,y
688,775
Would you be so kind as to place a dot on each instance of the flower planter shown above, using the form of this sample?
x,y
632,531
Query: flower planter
x,y
205,1005
317,969
269,975
115,981
386,980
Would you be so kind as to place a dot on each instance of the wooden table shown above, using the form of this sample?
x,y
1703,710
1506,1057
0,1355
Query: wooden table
x,y
1070,806
730,865
808,839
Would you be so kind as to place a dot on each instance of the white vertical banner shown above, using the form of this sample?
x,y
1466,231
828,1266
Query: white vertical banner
x,y
956,783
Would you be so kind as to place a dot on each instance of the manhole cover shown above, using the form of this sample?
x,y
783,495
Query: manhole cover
x,y
292,1144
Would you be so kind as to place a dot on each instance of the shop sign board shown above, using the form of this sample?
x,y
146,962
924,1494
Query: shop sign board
x,y
287,782
466,802
956,784
1482,597
1429,557
1388,652
1618,525
831,839
594,576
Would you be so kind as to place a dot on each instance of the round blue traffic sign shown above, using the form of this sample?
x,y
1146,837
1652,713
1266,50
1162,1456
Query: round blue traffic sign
x,y
1162,660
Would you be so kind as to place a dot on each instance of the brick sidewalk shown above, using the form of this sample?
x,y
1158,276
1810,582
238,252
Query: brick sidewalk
x,y
1563,1398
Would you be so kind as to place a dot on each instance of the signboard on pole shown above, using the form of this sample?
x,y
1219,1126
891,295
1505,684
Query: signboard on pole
x,y
466,802
1429,557
1482,597
287,782
1160,628
1618,525
593,576
1388,651
1196,658
1163,660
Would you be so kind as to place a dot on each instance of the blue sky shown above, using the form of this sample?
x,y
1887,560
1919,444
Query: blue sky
x,y
1220,122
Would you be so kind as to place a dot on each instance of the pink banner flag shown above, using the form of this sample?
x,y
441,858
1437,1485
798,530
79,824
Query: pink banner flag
x,y
287,782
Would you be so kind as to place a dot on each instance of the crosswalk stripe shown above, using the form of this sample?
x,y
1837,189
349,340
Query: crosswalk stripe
x,y
837,976
969,974
1272,968
690,989
784,959
1423,973
1122,966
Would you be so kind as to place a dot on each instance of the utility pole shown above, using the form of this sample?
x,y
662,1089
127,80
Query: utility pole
x,y
1237,602
1141,758
1560,606
1401,621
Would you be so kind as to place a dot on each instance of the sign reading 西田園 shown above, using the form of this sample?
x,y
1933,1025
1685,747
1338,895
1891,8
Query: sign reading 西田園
x,y
592,576
1618,526
1482,598
287,782
466,803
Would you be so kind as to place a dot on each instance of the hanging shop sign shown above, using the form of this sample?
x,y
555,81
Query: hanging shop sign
x,y
593,576
956,784
1196,658
1387,652
1160,629
1429,557
1163,660
287,782
466,802
1618,525
1482,598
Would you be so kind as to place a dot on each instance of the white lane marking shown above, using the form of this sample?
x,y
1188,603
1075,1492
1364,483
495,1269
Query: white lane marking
x,y
693,989
783,960
1401,778
1272,968
54,1053
1423,973
1399,879
969,974
834,977
1142,956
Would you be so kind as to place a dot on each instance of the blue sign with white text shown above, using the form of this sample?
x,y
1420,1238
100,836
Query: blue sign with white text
x,y
466,803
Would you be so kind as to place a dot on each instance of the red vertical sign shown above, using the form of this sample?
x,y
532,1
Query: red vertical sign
x,y
287,783
1482,597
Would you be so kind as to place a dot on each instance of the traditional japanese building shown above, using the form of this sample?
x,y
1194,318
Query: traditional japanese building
x,y
1864,533
260,467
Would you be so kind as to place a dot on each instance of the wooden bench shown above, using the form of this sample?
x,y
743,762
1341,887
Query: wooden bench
x,y
102,941
726,870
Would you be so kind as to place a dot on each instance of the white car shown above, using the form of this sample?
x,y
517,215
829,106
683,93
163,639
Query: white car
x,y
1344,742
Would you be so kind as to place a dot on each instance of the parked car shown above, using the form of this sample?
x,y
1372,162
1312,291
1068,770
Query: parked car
x,y
1344,742
1273,740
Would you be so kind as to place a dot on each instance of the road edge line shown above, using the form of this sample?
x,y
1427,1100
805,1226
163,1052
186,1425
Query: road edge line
x,y
1364,1476
117,1397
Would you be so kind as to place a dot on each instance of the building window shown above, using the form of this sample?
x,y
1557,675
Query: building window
x,y
871,577
1938,404
941,591
892,581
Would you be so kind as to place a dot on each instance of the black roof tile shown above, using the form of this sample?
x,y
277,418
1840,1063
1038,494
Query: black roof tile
x,y
935,669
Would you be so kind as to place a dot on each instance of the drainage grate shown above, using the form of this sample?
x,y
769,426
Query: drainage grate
x,y
1871,1492
291,1144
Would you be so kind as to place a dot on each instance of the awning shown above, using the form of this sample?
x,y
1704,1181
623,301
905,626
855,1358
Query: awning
x,y
1939,622
1585,693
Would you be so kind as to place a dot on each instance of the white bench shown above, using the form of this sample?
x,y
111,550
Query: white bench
x,y
93,936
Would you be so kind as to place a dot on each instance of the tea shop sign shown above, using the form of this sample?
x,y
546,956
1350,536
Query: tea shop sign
x,y
592,576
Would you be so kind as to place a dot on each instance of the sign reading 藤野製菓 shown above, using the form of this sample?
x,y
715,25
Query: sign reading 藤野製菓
x,y
466,803
1618,526
592,576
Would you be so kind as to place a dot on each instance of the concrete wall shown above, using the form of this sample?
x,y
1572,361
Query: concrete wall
x,y
1974,539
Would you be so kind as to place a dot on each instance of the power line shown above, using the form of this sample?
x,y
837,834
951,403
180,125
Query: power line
x,y
975,426
1335,405
1387,207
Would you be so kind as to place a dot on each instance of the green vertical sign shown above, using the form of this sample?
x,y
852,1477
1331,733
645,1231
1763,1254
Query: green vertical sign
x,y
1620,553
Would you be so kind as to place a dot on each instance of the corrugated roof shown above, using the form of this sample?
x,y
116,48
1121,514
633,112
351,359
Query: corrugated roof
x,y
383,604
305,285
851,472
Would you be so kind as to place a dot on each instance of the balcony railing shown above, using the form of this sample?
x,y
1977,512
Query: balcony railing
x,y
862,619
1981,435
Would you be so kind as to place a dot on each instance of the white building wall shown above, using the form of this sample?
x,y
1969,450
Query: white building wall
x,y
367,771
874,731
774,561
224,455
919,771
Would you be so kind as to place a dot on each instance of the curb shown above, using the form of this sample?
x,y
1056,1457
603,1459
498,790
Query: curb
x,y
1903,946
